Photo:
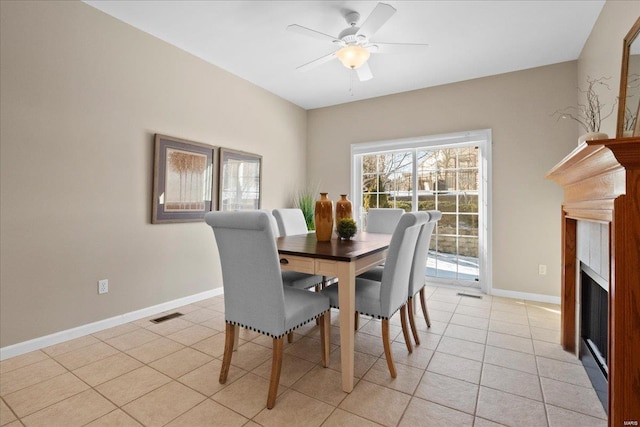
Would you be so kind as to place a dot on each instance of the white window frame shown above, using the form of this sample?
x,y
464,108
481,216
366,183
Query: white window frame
x,y
482,138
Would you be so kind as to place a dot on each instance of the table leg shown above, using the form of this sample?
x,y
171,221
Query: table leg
x,y
346,300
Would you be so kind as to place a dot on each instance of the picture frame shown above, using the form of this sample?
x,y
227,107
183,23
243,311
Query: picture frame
x,y
240,181
183,180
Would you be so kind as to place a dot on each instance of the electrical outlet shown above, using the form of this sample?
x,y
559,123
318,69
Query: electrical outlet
x,y
103,286
542,269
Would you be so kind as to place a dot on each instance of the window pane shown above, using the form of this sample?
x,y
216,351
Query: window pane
x,y
446,225
447,244
369,182
468,246
468,202
468,157
427,180
468,225
447,158
446,203
369,164
446,266
426,202
468,179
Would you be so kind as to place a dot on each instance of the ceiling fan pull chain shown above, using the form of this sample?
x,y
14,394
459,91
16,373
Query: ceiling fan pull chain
x,y
351,74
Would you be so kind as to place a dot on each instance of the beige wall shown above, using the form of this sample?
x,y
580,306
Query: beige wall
x,y
527,142
82,96
602,54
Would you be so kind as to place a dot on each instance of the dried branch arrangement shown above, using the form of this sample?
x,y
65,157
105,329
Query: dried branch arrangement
x,y
588,115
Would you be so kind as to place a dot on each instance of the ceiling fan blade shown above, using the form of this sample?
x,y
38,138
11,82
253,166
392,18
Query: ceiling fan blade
x,y
316,62
364,72
396,47
378,17
312,33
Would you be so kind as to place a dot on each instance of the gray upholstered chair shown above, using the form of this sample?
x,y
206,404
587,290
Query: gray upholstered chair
x,y
254,296
383,299
383,220
291,222
416,279
286,222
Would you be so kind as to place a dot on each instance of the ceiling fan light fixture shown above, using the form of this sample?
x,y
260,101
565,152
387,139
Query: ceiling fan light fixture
x,y
353,56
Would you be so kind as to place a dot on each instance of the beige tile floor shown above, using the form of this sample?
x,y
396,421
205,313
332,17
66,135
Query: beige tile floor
x,y
484,362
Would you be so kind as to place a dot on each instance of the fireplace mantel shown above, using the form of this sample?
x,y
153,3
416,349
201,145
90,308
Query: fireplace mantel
x,y
601,181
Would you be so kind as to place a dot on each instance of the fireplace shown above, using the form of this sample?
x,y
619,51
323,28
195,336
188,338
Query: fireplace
x,y
601,182
594,334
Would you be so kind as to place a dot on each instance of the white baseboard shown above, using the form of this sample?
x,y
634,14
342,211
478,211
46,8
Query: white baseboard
x,y
90,328
526,296
499,292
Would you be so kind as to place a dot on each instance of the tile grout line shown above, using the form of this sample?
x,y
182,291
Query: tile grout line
x,y
484,353
535,358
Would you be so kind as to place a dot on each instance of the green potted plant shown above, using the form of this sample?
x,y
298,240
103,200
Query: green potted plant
x,y
346,228
305,200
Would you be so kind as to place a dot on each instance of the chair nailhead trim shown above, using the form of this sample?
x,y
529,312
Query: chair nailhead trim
x,y
375,316
251,328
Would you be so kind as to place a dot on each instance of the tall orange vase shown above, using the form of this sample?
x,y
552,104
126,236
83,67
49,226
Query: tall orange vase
x,y
343,208
324,218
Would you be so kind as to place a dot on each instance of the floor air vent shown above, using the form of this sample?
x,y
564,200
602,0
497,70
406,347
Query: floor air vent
x,y
167,317
468,295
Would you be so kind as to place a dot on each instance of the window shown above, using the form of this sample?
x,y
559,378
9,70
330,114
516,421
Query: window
x,y
449,173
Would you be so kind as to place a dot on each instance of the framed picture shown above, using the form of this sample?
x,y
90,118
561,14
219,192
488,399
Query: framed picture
x,y
240,180
183,174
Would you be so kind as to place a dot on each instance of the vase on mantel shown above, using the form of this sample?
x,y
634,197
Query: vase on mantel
x,y
343,208
324,218
592,136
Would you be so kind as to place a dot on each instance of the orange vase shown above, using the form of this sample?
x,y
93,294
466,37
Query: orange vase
x,y
343,208
324,218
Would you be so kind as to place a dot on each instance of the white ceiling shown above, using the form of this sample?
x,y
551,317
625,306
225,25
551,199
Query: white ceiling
x,y
467,39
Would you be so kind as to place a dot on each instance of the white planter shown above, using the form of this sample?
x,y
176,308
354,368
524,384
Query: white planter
x,y
592,136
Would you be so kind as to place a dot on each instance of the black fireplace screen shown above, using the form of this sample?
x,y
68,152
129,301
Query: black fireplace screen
x,y
595,313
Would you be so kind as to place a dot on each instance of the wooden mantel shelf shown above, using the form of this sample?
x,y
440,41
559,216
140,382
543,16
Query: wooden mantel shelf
x,y
601,181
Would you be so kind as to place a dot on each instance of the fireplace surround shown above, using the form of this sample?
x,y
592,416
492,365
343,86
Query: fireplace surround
x,y
601,182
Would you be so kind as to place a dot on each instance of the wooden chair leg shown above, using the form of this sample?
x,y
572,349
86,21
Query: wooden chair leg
x,y
356,321
425,312
276,367
325,337
229,337
236,338
387,347
405,329
290,337
412,321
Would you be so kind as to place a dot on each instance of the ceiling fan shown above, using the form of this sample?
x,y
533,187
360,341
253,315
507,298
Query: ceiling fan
x,y
355,42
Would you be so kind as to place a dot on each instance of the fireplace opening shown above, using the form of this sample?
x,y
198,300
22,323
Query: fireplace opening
x,y
594,333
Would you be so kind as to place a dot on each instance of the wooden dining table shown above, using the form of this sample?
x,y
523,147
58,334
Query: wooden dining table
x,y
343,259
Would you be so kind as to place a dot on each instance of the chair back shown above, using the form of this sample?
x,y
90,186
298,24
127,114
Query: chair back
x,y
290,221
273,222
394,286
383,220
416,280
252,281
